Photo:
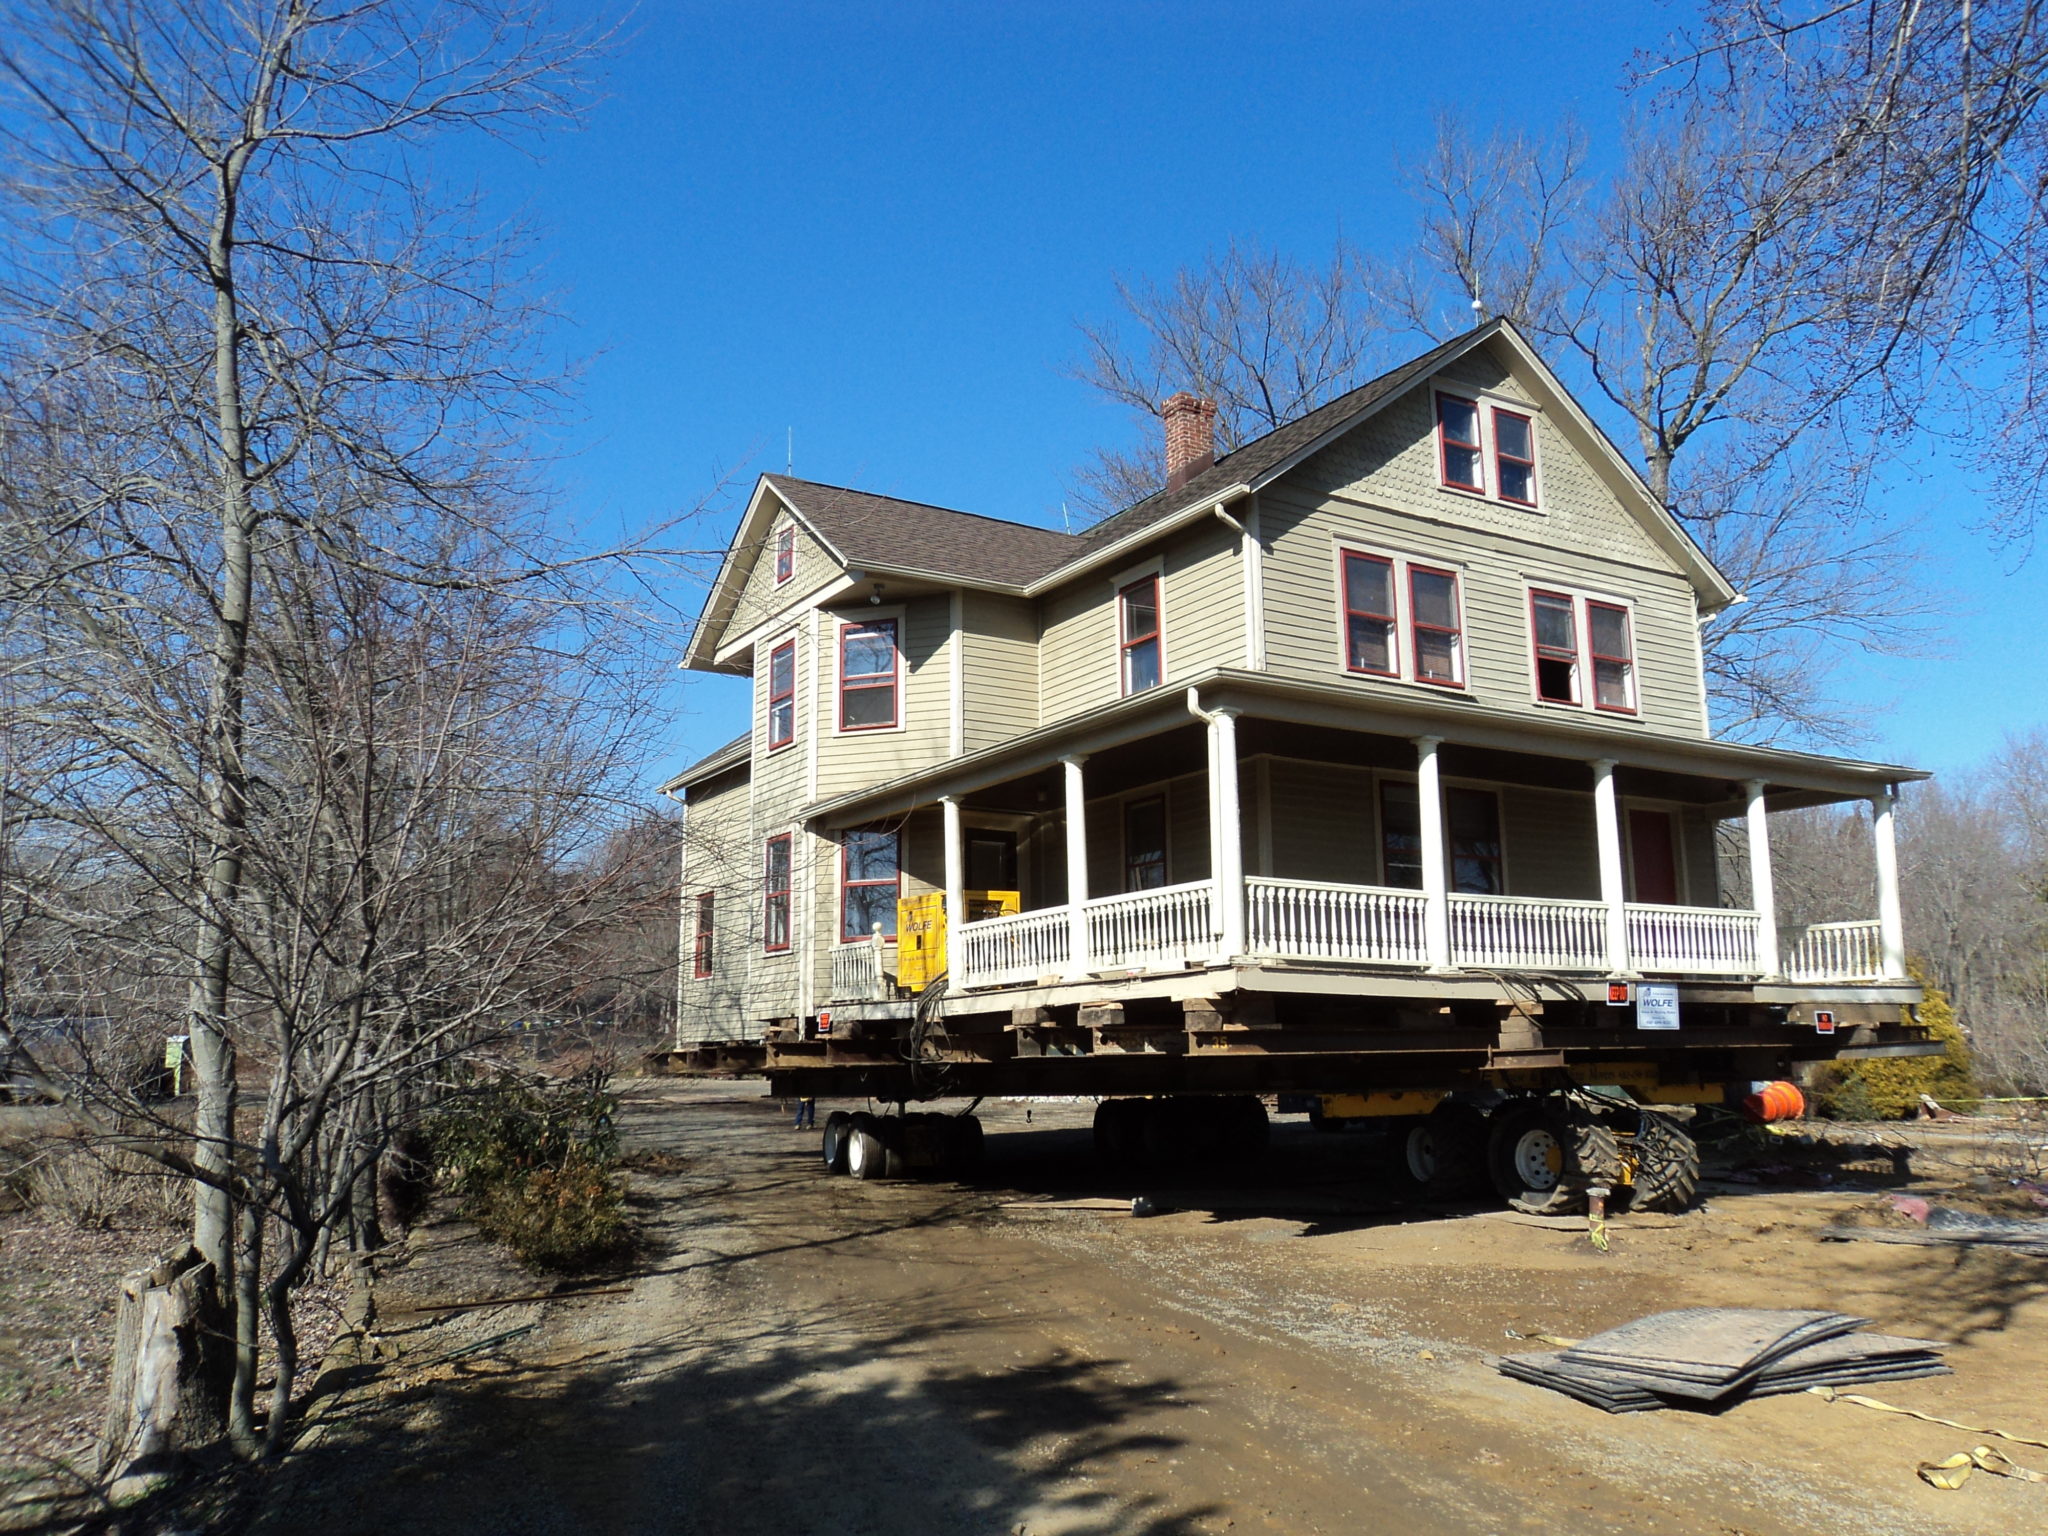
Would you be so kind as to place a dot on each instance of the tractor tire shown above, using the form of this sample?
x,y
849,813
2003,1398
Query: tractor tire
x,y
1442,1155
1667,1165
1544,1154
838,1126
866,1157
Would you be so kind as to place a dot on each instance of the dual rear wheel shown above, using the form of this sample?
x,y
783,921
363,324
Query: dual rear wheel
x,y
869,1146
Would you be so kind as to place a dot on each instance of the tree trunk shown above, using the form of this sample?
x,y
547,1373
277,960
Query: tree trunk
x,y
161,1400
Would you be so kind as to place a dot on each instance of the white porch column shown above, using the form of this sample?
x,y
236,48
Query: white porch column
x,y
956,866
1613,888
1891,922
1762,895
1226,863
1436,883
1077,869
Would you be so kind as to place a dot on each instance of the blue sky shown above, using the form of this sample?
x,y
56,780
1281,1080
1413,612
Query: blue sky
x,y
876,226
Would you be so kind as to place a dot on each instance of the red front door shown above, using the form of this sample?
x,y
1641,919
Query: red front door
x,y
1653,857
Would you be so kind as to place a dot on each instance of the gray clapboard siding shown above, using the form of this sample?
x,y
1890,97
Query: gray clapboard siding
x,y
854,760
1323,821
1001,647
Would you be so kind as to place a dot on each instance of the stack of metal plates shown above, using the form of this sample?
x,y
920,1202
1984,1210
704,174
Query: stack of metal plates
x,y
1710,1357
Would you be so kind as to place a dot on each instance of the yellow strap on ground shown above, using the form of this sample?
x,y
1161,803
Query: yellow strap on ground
x,y
1831,1395
1952,1473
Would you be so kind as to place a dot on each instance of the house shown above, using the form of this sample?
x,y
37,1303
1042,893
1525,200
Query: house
x,y
1391,720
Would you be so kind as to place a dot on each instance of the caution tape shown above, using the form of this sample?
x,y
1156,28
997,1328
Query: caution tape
x,y
1951,1473
1834,1395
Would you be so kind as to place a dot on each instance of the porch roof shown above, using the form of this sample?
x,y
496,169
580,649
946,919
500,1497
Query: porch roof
x,y
1797,778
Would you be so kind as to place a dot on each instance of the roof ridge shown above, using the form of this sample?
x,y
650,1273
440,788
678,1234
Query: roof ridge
x,y
929,506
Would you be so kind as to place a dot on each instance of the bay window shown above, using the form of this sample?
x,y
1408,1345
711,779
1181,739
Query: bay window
x,y
870,881
869,668
782,695
775,894
1138,630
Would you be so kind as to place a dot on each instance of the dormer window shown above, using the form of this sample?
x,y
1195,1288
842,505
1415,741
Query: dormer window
x,y
785,553
1138,619
1486,449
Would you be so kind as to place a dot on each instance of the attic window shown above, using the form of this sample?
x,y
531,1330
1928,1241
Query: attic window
x,y
1514,457
1457,430
785,553
1489,449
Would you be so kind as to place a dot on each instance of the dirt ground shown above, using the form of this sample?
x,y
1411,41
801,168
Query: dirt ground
x,y
801,1353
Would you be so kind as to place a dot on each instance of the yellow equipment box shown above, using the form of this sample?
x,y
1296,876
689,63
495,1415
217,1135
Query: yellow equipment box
x,y
921,931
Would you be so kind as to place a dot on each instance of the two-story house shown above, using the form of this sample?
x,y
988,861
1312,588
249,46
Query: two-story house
x,y
1389,727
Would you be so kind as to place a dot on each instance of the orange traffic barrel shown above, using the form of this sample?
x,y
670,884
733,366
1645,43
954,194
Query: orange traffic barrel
x,y
1775,1101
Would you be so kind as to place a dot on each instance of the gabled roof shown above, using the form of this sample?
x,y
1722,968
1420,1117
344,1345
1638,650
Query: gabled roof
x,y
867,531
711,764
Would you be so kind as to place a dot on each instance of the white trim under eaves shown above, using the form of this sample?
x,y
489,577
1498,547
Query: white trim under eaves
x,y
1120,550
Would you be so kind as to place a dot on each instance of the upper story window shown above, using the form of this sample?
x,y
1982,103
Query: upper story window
x,y
869,676
775,894
1369,621
782,695
1486,448
1614,656
1137,607
1401,618
1572,636
703,936
785,553
1436,626
869,883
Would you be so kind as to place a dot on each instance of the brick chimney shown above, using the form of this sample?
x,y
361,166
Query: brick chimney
x,y
1190,437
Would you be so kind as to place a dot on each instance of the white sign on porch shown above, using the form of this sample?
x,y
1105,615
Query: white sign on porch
x,y
1656,1005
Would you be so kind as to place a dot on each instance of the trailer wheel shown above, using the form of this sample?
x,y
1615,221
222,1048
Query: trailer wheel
x,y
866,1156
1246,1131
838,1126
963,1143
1443,1153
1667,1165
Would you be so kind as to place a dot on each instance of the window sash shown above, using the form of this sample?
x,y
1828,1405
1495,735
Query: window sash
x,y
1364,624
858,893
1472,831
782,695
1457,451
1508,467
1614,672
785,555
1145,844
703,935
1424,634
1559,605
775,894
1140,652
868,691
1401,834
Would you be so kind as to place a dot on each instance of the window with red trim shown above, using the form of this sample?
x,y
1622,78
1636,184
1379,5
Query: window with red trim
x,y
1369,644
870,880
1436,634
869,664
1138,619
1614,657
782,695
1554,629
775,894
1514,457
785,553
1459,452
703,935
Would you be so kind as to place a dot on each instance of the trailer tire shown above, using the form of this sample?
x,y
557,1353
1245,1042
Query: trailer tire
x,y
866,1155
1246,1131
1442,1155
838,1127
1667,1165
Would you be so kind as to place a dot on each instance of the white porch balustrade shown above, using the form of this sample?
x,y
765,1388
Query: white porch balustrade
x,y
1837,952
1314,920
1528,933
1693,941
1167,926
861,971
1308,920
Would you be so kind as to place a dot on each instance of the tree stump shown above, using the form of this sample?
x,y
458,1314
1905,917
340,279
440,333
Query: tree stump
x,y
163,1398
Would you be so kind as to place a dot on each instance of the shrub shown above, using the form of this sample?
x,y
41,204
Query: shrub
x,y
1889,1088
534,1161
